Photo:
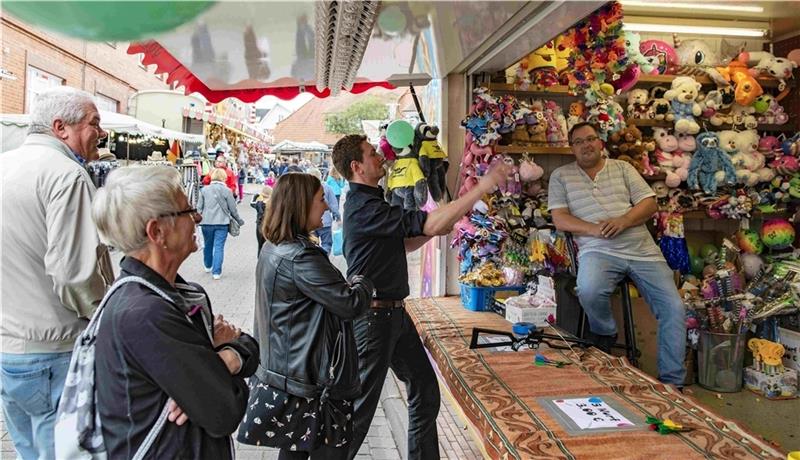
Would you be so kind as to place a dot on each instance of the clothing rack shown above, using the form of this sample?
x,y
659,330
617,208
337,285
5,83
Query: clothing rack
x,y
191,182
99,170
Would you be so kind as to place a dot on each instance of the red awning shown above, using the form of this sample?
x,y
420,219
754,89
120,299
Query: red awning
x,y
155,54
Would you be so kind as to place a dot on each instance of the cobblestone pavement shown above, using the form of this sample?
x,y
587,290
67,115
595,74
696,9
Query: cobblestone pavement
x,y
233,296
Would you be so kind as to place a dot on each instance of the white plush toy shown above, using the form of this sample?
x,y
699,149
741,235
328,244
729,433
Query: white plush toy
x,y
764,62
747,143
637,104
683,97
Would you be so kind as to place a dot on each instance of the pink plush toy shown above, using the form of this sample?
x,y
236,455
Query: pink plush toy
x,y
769,146
666,146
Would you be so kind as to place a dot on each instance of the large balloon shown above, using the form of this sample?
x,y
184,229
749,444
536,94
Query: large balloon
x,y
777,233
107,20
665,55
697,265
400,134
708,252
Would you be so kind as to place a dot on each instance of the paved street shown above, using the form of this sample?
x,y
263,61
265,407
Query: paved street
x,y
233,296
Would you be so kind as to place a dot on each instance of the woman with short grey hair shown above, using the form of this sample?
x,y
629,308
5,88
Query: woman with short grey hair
x,y
218,207
159,344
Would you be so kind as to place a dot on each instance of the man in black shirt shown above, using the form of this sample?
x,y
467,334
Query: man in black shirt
x,y
377,237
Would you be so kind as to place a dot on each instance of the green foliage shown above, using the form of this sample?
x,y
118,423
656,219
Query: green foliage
x,y
348,121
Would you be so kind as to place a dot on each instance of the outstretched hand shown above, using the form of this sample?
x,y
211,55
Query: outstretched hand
x,y
497,173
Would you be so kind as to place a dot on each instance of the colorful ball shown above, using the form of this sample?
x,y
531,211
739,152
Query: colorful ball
x,y
400,134
749,241
777,234
697,264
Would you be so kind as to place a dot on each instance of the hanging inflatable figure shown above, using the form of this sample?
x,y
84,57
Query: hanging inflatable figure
x,y
432,159
406,184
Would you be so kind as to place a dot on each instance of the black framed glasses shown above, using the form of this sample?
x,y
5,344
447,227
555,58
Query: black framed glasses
x,y
191,211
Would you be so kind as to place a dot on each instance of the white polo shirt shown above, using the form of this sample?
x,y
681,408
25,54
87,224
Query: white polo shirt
x,y
614,191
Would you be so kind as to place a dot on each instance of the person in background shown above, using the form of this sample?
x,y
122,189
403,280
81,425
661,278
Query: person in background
x,y
270,181
329,217
230,179
152,352
284,167
242,177
54,269
337,183
217,206
260,203
294,166
377,237
301,398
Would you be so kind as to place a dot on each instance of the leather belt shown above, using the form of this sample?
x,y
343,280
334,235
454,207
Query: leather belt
x,y
377,303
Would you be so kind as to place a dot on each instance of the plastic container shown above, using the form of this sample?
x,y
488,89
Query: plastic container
x,y
479,298
720,361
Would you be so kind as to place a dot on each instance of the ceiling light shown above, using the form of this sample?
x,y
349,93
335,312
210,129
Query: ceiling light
x,y
694,6
696,30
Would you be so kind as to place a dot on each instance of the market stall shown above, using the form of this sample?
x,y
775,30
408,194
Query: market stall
x,y
315,152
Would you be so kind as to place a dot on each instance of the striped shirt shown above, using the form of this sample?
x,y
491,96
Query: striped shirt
x,y
614,191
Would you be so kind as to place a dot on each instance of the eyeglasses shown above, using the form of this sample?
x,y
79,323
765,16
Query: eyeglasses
x,y
579,142
196,217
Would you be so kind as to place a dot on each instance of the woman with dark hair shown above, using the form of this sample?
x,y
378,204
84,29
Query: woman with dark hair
x,y
301,396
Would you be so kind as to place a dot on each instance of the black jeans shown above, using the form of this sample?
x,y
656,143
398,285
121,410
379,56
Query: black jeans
x,y
323,453
386,339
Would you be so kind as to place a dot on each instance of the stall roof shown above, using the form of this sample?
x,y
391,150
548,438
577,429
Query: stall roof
x,y
248,50
111,121
291,146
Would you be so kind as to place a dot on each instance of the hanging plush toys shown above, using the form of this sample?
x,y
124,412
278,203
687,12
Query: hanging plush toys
x,y
432,159
406,182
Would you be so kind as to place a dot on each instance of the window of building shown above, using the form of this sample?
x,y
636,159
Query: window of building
x,y
106,103
36,82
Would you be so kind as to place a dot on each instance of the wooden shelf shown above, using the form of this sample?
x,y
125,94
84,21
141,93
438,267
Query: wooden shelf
x,y
533,150
643,122
653,80
701,214
646,123
560,90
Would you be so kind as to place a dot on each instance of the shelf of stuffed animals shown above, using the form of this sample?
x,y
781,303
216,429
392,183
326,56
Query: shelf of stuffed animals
x,y
533,90
652,80
754,215
533,150
649,123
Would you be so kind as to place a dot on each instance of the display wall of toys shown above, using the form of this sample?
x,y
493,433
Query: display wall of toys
x,y
708,132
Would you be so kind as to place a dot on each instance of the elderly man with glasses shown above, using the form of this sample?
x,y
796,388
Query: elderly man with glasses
x,y
605,204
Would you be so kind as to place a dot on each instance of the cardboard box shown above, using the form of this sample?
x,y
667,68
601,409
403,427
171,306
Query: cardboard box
x,y
791,343
776,386
535,315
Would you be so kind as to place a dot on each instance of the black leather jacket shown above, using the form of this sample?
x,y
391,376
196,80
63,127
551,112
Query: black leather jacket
x,y
304,309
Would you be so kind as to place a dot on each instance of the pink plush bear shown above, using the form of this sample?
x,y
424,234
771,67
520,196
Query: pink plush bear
x,y
675,166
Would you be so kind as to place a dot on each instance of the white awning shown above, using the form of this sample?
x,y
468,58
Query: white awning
x,y
291,146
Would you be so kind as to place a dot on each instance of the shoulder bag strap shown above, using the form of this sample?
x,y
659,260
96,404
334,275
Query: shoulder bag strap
x,y
162,417
224,205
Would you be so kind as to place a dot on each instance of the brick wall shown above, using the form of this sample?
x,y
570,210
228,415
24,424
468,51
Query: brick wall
x,y
96,67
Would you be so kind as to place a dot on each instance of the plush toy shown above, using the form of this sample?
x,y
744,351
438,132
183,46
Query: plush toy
x,y
697,57
626,145
637,104
577,111
604,112
661,54
716,106
769,110
707,160
647,64
683,100
666,147
542,65
766,63
769,146
520,134
383,144
406,182
537,124
556,124
743,116
432,159
747,142
746,87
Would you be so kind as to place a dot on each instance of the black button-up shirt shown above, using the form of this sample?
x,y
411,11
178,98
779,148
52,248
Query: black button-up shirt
x,y
373,240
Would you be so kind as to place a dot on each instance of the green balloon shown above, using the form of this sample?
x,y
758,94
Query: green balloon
x,y
391,20
697,264
707,250
107,20
692,250
400,134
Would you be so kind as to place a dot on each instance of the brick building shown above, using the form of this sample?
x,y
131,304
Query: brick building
x,y
39,59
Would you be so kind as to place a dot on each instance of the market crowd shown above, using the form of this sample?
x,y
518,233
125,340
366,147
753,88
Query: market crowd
x,y
140,366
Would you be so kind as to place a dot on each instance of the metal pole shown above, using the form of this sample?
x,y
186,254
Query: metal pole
x,y
416,103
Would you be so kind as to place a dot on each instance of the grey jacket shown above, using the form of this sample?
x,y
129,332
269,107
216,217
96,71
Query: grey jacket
x,y
215,199
54,270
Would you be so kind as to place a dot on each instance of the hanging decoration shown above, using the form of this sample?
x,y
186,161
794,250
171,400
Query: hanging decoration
x,y
598,49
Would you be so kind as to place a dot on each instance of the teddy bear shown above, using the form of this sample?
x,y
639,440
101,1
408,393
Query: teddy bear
x,y
748,143
520,134
659,108
743,115
432,159
637,104
674,166
536,124
683,96
626,145
406,183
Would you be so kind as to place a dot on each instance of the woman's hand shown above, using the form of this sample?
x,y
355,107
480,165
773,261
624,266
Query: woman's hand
x,y
231,359
224,332
176,414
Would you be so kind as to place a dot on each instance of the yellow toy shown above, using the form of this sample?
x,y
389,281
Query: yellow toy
x,y
767,355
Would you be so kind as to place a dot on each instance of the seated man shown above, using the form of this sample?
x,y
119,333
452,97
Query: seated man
x,y
605,203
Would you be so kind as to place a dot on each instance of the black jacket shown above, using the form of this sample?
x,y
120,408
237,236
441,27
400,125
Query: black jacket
x,y
303,304
147,352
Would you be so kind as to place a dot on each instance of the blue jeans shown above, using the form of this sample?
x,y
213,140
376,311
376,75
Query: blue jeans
x,y
31,386
325,238
214,237
598,276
